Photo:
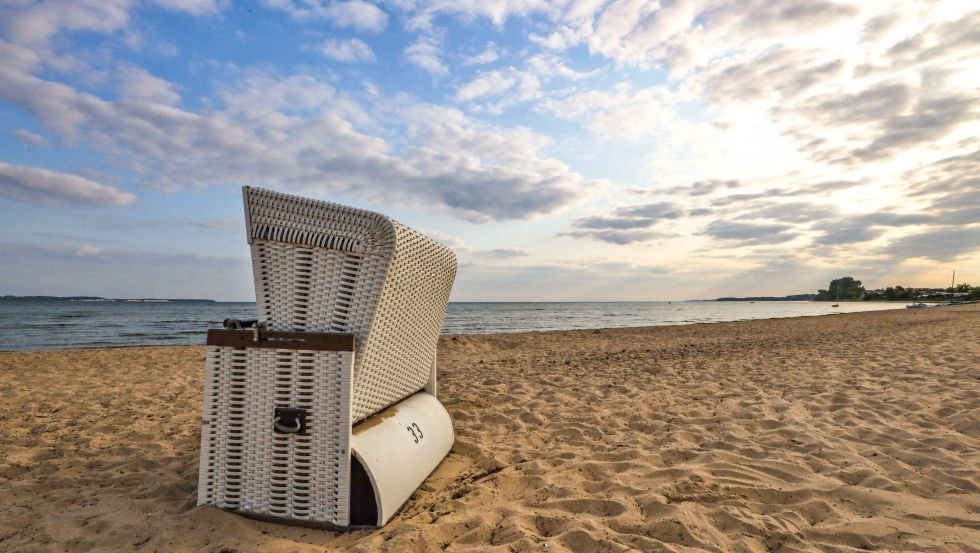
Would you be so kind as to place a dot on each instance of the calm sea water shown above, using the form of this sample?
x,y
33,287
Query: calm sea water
x,y
27,325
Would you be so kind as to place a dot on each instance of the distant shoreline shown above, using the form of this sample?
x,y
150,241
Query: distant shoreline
x,y
794,297
98,299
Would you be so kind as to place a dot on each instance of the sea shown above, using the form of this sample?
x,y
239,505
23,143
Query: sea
x,y
40,325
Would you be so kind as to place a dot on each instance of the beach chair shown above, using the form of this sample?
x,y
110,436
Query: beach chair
x,y
324,412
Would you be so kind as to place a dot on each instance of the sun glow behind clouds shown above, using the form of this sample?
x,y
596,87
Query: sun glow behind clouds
x,y
657,150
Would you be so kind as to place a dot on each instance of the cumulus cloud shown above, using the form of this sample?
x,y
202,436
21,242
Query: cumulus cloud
x,y
360,15
41,186
775,118
348,51
300,133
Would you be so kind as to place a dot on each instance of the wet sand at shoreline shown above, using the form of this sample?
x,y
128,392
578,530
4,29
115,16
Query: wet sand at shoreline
x,y
837,433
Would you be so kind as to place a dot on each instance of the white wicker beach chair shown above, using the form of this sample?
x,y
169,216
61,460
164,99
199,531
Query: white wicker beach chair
x,y
325,413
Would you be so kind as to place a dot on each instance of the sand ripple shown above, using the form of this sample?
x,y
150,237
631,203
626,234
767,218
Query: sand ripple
x,y
843,433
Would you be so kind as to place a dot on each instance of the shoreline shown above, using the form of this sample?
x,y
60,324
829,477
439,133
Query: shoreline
x,y
807,433
442,336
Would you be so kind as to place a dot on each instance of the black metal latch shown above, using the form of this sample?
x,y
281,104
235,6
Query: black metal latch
x,y
289,420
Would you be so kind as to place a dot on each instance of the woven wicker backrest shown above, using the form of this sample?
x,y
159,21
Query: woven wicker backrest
x,y
320,266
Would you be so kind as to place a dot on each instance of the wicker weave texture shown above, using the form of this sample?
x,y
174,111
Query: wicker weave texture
x,y
320,266
245,465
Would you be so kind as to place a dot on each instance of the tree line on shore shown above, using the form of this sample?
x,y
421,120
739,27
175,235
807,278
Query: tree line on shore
x,y
849,289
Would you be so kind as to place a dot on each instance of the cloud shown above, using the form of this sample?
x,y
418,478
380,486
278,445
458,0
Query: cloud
x,y
685,35
614,236
625,224
631,217
359,15
654,211
775,74
507,87
355,14
750,234
945,244
37,23
41,186
825,82
930,120
617,223
483,172
193,7
138,85
496,11
701,188
834,234
888,84
484,84
779,123
348,51
299,133
949,188
88,250
880,101
490,83
426,53
488,55
792,212
618,112
548,65
502,253
33,139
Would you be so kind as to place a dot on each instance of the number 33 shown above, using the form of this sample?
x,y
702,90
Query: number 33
x,y
413,428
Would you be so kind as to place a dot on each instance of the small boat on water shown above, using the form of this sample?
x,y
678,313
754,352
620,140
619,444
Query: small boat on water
x,y
917,305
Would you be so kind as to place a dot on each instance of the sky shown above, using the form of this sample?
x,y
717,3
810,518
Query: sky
x,y
566,150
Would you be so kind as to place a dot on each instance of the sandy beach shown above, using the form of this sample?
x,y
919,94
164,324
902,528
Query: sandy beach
x,y
837,433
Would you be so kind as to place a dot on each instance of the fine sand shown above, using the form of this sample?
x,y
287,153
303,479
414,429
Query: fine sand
x,y
838,433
